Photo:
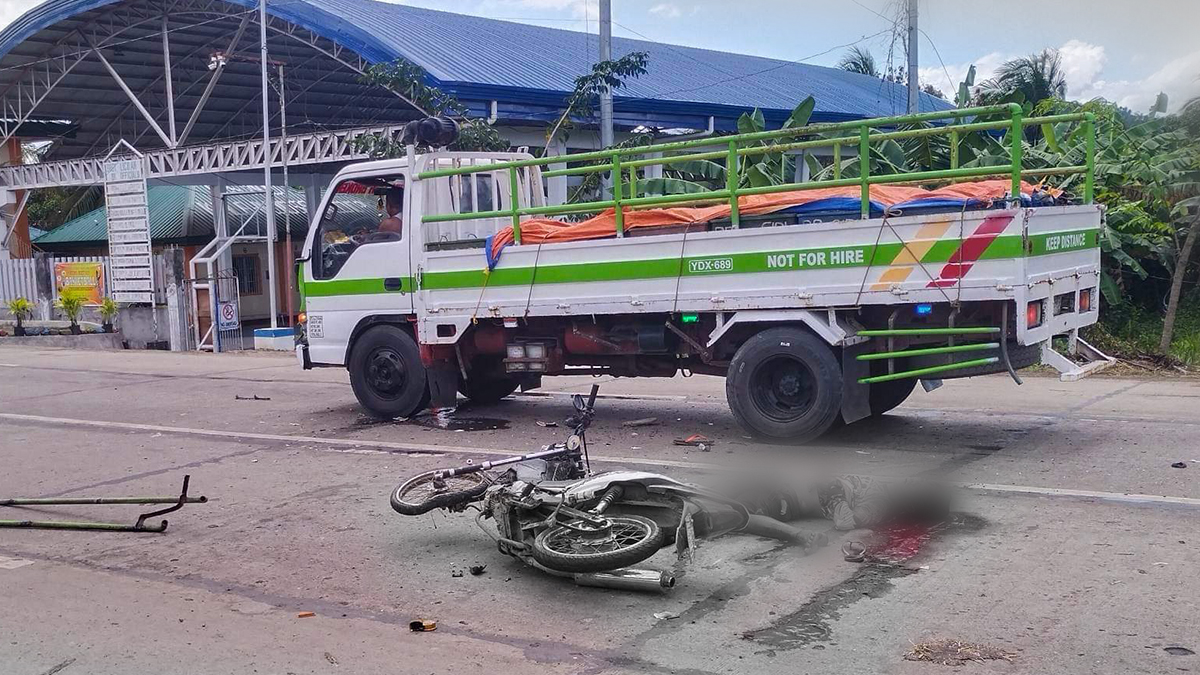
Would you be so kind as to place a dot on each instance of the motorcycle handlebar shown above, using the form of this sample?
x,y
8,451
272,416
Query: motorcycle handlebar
x,y
591,402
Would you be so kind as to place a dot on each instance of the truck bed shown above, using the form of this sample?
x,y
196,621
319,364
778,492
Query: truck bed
x,y
1022,254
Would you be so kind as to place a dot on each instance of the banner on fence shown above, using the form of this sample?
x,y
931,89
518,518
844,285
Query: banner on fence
x,y
83,280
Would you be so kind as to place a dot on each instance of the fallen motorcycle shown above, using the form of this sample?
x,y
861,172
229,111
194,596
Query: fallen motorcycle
x,y
552,513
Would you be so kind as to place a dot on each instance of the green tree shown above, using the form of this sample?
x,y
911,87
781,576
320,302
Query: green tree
x,y
859,60
585,96
1035,78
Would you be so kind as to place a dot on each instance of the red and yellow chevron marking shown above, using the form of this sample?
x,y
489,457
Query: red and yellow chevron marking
x,y
970,250
910,256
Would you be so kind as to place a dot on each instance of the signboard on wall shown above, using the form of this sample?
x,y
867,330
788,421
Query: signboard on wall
x,y
130,255
84,280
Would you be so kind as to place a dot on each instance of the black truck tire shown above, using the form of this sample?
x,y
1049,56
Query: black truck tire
x,y
386,373
785,384
483,389
885,396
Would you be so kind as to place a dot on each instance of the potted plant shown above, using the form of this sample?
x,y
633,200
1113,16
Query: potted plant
x,y
72,306
21,309
108,310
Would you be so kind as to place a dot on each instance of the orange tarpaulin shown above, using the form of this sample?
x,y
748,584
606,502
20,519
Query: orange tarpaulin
x,y
604,224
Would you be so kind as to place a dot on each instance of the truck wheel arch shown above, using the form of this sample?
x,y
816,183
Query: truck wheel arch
x,y
401,321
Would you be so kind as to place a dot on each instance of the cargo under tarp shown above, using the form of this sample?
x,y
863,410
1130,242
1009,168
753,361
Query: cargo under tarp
x,y
890,199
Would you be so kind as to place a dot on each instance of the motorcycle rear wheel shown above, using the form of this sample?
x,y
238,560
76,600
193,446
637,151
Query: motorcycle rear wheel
x,y
424,492
632,539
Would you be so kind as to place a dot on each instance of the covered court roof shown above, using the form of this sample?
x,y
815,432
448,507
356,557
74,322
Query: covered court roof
x,y
48,65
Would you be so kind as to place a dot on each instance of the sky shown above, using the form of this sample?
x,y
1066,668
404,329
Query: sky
x,y
1126,52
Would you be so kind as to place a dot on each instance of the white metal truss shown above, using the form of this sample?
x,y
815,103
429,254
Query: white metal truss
x,y
40,77
302,150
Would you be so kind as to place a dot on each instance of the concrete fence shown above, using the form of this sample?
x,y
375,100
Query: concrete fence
x,y
141,326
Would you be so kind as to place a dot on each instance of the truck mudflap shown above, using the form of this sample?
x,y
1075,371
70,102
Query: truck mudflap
x,y
1088,359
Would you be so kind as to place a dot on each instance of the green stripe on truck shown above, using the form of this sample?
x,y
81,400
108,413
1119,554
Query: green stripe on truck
x,y
832,257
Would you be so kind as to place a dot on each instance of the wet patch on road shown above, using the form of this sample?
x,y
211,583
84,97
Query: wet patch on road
x,y
887,560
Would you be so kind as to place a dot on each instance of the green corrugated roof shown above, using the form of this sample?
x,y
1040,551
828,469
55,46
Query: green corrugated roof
x,y
179,213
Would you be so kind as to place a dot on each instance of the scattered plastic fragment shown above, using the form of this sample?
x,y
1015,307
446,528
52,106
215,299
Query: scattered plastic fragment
x,y
422,625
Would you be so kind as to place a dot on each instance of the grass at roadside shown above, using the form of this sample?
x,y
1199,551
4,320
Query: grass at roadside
x,y
1130,332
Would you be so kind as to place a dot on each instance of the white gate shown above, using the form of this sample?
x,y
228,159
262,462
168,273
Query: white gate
x,y
18,279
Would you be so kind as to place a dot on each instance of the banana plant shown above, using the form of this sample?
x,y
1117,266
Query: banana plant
x,y
770,168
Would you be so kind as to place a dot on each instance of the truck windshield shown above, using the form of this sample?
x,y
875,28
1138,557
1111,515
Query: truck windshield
x,y
361,212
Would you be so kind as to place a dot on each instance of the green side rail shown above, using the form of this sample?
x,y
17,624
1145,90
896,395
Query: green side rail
x,y
930,370
864,133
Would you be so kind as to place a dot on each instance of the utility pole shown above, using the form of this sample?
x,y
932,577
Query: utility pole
x,y
606,100
268,191
914,78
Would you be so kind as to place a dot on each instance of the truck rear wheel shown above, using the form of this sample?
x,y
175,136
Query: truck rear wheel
x,y
887,395
482,389
785,383
386,373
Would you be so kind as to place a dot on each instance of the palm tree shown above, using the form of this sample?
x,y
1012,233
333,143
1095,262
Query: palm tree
x,y
859,60
1037,77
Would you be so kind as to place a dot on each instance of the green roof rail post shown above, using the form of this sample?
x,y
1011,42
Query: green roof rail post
x,y
953,151
616,194
1089,179
864,168
515,190
633,182
1016,138
732,178
837,161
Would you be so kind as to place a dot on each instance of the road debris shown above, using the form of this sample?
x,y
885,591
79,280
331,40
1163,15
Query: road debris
x,y
641,422
456,573
476,570
422,625
256,397
956,653
704,443
305,615
329,657
1176,650
854,551
1179,465
665,616
546,424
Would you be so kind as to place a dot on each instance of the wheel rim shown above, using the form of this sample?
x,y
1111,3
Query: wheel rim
x,y
386,373
430,486
783,388
621,534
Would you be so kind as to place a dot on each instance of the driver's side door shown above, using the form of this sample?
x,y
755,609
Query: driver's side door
x,y
354,270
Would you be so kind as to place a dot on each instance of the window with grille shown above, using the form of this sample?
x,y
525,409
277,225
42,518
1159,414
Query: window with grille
x,y
245,268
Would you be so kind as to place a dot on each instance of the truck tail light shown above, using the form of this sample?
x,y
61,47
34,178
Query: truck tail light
x,y
1085,300
1033,314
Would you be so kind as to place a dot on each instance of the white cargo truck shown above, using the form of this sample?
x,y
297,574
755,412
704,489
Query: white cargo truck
x,y
446,272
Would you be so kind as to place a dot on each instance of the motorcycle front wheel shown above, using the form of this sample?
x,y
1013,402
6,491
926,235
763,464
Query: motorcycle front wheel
x,y
425,492
629,540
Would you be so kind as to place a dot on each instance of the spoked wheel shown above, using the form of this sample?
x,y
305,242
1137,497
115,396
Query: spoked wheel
x,y
579,547
426,491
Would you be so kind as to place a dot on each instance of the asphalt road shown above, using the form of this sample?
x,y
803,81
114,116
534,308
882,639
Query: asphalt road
x,y
1074,549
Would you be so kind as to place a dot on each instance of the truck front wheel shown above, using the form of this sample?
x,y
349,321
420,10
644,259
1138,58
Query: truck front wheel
x,y
386,373
785,383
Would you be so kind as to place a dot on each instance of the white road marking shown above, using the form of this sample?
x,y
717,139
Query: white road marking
x,y
1124,497
364,447
9,365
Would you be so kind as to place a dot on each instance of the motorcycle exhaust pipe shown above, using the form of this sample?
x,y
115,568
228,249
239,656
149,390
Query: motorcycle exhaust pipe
x,y
646,581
